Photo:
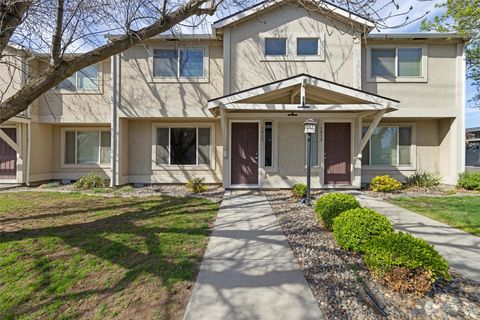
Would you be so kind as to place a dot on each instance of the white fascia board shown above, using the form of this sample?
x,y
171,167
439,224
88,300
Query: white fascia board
x,y
311,107
244,14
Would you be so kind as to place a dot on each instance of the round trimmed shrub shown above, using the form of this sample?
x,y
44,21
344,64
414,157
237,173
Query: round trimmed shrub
x,y
390,251
384,184
331,205
353,228
299,190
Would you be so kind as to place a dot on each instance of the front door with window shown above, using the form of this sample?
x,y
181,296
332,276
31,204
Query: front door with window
x,y
8,156
337,153
244,153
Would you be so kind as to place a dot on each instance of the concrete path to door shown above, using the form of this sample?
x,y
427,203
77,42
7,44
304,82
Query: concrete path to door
x,y
459,248
249,270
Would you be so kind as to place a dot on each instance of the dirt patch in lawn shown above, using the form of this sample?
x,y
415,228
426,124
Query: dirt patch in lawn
x,y
69,255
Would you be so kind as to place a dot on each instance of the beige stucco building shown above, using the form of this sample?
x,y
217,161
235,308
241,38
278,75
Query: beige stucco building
x,y
230,107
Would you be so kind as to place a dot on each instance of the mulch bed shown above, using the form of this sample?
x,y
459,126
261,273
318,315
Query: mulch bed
x,y
342,284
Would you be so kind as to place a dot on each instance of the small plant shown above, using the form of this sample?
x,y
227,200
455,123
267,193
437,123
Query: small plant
x,y
331,205
50,185
299,190
403,261
353,228
384,184
469,181
196,184
90,181
423,179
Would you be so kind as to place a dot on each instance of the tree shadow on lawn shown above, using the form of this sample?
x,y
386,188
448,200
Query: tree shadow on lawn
x,y
140,219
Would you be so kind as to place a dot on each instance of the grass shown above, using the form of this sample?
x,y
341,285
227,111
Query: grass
x,y
459,212
71,255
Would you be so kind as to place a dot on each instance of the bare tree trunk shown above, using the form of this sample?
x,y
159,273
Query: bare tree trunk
x,y
11,15
37,86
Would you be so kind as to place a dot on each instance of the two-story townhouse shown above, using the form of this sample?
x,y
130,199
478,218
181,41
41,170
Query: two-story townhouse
x,y
230,106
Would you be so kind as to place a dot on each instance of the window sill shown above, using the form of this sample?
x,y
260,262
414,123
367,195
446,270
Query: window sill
x,y
85,166
78,92
388,168
293,59
183,167
397,79
179,80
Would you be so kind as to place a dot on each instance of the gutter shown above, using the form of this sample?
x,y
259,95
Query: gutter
x,y
114,124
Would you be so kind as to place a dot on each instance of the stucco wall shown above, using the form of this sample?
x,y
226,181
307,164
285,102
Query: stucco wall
x,y
60,107
248,62
41,149
420,98
139,156
144,96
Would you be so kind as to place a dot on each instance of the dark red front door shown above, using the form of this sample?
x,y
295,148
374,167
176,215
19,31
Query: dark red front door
x,y
8,156
337,153
244,153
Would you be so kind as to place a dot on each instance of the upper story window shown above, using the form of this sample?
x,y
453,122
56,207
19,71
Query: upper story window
x,y
307,46
84,80
397,64
179,63
275,46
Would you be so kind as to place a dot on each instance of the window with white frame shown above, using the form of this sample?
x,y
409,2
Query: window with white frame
x,y
87,147
179,63
314,148
268,134
389,146
84,80
396,62
183,146
307,46
275,46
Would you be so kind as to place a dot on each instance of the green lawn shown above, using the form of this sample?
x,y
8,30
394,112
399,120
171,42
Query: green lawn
x,y
459,212
71,255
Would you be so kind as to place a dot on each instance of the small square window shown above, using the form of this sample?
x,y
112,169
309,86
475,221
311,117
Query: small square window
x,y
307,46
275,46
191,62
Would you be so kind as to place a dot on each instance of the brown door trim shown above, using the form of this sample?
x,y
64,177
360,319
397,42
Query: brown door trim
x,y
244,153
8,156
337,153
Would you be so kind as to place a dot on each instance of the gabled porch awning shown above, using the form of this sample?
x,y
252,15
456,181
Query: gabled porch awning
x,y
302,93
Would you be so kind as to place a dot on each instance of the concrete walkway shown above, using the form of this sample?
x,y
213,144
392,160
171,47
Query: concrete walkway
x,y
249,271
461,249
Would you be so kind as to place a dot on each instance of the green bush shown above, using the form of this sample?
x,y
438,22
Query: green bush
x,y
331,205
353,228
469,181
89,182
384,184
299,190
423,179
389,251
196,184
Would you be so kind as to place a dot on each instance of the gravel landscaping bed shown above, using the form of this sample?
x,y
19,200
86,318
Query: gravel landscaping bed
x,y
213,193
343,286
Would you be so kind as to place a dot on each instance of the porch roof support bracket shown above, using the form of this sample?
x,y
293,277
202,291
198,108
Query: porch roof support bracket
x,y
368,134
8,140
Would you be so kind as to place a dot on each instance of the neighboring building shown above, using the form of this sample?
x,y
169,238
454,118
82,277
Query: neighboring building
x,y
472,153
228,107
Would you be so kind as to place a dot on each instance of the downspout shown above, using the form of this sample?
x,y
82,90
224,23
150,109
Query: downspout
x,y
27,157
113,158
